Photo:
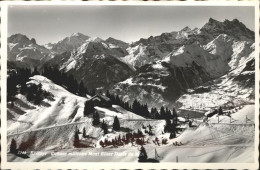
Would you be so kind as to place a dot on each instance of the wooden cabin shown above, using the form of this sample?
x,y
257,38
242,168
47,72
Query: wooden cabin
x,y
101,101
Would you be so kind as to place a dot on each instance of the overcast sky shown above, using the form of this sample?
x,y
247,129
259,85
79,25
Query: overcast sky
x,y
128,23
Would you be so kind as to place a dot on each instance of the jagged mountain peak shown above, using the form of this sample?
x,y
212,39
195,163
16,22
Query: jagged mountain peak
x,y
95,39
77,34
211,20
185,29
235,20
69,43
75,37
212,23
19,38
117,42
233,28
111,39
23,49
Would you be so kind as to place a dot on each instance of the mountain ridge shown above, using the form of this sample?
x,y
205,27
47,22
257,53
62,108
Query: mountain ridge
x,y
189,58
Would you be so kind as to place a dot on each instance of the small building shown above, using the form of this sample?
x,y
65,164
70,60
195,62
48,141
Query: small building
x,y
102,101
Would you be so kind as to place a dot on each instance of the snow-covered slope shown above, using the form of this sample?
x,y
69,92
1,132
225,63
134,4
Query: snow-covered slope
x,y
54,112
52,124
146,51
207,142
238,84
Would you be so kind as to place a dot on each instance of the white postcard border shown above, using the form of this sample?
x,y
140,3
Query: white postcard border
x,y
117,165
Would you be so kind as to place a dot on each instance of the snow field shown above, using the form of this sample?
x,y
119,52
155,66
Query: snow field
x,y
55,133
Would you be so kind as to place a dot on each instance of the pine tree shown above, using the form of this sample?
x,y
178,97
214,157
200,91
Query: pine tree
x,y
174,113
116,124
150,130
108,94
84,133
104,127
168,125
220,111
157,115
93,92
82,90
174,128
38,97
143,155
12,87
23,88
35,71
162,112
146,111
168,113
154,113
139,132
13,147
117,100
172,135
135,107
89,107
96,118
76,138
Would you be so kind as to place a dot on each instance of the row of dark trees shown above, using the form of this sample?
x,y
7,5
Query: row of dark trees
x,y
16,82
169,116
172,126
18,78
76,142
133,138
15,79
142,109
67,80
34,93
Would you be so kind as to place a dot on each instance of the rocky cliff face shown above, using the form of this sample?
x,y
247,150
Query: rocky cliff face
x,y
95,63
161,83
68,43
21,49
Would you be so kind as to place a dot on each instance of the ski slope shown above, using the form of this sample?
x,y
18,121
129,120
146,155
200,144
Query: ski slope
x,y
52,129
54,123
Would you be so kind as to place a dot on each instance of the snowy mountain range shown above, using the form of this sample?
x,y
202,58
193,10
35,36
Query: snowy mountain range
x,y
187,59
202,70
157,70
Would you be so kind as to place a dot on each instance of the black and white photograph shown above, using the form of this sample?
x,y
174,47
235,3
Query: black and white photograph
x,y
130,83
